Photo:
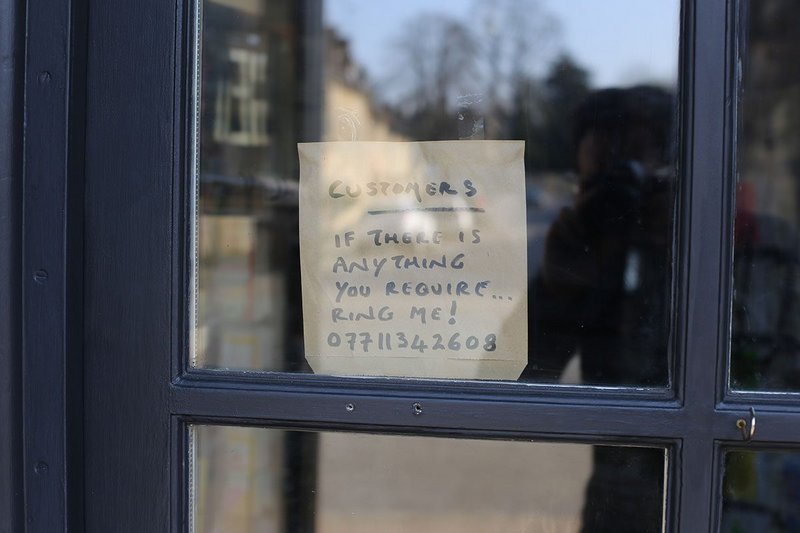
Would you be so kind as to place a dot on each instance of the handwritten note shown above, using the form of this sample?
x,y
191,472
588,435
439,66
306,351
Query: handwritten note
x,y
413,258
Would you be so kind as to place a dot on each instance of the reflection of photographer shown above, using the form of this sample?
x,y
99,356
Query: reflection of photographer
x,y
604,285
603,288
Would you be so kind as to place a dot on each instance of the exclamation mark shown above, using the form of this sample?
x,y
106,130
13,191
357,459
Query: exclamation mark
x,y
452,313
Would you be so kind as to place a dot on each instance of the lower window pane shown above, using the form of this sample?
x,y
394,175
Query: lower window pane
x,y
252,479
761,492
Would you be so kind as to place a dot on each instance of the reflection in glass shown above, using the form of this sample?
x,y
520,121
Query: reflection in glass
x,y
765,338
761,492
590,87
249,479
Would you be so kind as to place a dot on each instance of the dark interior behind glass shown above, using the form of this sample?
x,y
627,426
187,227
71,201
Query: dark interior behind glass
x,y
765,338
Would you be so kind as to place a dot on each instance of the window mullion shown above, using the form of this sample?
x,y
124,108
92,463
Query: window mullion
x,y
704,288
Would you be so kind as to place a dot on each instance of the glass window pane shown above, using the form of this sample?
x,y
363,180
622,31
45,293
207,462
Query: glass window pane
x,y
251,479
568,278
765,341
761,492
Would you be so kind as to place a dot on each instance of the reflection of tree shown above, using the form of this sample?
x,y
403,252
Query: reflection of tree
x,y
446,70
436,61
516,36
542,113
477,80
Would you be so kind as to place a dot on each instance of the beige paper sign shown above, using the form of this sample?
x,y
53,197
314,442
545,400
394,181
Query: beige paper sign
x,y
413,258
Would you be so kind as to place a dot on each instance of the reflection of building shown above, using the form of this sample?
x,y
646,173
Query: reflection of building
x,y
771,120
248,251
251,115
350,113
765,341
252,112
240,107
248,200
249,92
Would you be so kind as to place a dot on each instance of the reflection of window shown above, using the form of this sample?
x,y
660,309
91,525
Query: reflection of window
x,y
241,107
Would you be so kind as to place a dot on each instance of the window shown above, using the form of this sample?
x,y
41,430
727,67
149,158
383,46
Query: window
x,y
173,293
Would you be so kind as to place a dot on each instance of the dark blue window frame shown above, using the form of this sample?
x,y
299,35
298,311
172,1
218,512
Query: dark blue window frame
x,y
95,396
